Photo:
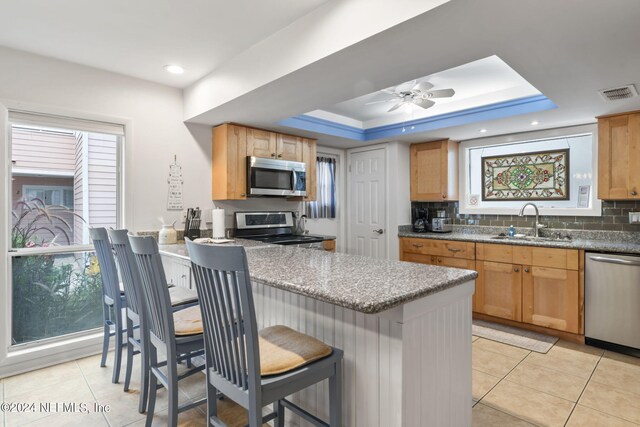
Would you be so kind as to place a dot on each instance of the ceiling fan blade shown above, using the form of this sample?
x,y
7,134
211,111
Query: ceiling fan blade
x,y
395,107
380,102
422,87
424,103
441,93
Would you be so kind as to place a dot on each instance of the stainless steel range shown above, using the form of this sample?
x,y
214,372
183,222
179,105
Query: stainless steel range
x,y
275,228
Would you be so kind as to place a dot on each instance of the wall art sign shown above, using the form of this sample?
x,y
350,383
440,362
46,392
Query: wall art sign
x,y
540,175
174,181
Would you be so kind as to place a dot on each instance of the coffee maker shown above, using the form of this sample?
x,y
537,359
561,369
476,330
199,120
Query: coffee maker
x,y
419,220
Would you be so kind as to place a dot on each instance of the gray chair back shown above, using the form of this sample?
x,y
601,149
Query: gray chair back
x,y
108,271
155,289
128,270
228,314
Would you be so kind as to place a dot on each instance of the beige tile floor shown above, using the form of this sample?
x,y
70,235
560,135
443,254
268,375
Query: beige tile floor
x,y
572,386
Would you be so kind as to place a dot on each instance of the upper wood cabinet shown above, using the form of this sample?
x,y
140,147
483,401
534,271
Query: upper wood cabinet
x,y
261,143
434,171
619,157
309,156
289,147
229,163
233,143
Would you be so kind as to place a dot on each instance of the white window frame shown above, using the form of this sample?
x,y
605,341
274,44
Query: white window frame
x,y
595,205
72,346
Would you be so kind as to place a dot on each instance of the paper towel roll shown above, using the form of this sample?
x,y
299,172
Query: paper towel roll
x,y
217,224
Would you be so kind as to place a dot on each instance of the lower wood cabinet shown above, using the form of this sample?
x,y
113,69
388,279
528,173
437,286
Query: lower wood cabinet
x,y
499,290
526,284
550,298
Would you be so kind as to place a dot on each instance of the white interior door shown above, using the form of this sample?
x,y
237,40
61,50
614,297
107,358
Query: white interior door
x,y
367,203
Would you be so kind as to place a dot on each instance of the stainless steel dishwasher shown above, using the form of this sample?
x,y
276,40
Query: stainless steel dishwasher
x,y
612,302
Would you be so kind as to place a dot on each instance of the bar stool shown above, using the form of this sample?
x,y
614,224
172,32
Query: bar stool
x,y
112,298
178,334
130,275
253,368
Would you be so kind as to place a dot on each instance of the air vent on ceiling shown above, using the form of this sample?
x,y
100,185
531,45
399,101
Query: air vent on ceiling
x,y
618,93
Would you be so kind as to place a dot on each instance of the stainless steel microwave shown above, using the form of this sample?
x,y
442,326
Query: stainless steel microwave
x,y
273,177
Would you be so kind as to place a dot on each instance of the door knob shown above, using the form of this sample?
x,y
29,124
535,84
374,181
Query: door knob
x,y
516,269
634,193
379,231
526,270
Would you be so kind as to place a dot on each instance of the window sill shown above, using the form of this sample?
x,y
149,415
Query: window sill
x,y
593,211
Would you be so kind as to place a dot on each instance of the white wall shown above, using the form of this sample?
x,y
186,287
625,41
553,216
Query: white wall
x,y
153,114
399,199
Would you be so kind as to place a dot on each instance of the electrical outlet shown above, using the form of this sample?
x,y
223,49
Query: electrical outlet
x,y
634,217
184,215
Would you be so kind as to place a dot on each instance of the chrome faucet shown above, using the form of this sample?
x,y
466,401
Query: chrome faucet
x,y
537,226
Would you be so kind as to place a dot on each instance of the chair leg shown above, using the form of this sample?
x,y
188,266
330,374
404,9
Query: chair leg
x,y
105,338
127,374
153,385
117,362
212,402
255,416
144,375
279,410
335,396
172,380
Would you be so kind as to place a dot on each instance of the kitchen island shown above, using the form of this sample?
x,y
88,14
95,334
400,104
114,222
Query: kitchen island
x,y
405,330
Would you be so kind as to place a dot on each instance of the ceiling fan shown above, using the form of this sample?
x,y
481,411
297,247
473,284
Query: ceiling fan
x,y
419,94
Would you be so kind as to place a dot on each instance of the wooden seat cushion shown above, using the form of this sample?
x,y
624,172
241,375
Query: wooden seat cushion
x,y
188,321
282,350
179,295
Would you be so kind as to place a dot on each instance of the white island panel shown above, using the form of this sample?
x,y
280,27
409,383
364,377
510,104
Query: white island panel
x,y
408,366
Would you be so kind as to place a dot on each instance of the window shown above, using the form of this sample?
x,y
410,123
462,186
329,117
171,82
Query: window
x,y
579,143
64,177
325,204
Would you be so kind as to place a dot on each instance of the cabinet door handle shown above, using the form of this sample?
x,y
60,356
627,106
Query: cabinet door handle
x,y
440,260
454,250
418,245
273,154
444,196
516,269
279,155
526,270
634,193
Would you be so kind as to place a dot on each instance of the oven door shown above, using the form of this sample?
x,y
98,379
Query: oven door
x,y
269,177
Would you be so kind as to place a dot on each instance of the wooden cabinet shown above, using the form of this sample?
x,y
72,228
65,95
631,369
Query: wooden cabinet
x,y
233,143
309,158
289,147
619,157
499,290
434,171
329,245
229,163
540,286
550,298
528,286
261,143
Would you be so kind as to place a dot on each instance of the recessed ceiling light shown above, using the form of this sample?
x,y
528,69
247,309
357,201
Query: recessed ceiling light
x,y
535,122
174,69
483,130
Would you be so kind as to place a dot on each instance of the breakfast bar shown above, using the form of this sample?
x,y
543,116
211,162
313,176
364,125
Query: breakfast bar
x,y
405,330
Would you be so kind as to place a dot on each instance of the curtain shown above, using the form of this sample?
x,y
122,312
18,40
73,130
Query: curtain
x,y
325,204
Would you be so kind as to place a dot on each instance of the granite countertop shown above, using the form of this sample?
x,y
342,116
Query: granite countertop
x,y
179,249
603,241
363,284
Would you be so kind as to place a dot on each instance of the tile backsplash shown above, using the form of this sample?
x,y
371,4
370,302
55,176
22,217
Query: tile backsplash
x,y
615,217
